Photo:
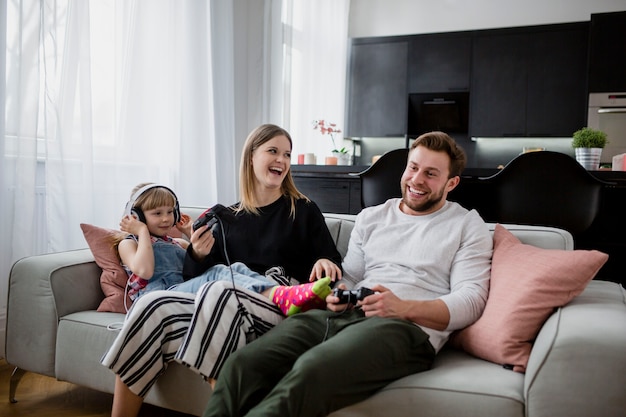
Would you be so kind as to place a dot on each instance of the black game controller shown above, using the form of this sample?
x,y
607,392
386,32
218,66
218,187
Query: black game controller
x,y
211,216
207,218
351,296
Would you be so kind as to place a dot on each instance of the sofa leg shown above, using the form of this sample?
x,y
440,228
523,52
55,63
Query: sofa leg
x,y
16,376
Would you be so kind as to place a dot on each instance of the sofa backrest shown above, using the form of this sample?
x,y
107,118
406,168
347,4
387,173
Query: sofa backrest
x,y
540,236
340,226
193,212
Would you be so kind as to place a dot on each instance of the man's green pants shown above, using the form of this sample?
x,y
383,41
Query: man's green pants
x,y
316,362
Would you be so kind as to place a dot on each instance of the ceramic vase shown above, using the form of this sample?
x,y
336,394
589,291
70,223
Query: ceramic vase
x,y
343,158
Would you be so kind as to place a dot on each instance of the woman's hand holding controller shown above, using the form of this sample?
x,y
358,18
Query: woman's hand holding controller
x,y
201,242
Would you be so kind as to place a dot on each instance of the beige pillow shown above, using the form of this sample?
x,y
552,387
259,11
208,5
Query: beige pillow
x,y
113,278
527,284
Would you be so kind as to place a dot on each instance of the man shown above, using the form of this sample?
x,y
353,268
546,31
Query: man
x,y
427,259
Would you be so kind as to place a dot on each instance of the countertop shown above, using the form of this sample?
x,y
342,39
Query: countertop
x,y
352,171
328,171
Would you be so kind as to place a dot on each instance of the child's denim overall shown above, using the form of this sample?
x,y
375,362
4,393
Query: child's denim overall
x,y
169,258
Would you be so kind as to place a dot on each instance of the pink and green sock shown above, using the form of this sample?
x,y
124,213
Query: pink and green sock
x,y
299,298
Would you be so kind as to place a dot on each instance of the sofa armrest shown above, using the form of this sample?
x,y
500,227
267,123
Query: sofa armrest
x,y
43,288
577,367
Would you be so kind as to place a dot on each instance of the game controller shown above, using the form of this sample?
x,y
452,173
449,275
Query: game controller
x,y
211,216
207,218
351,296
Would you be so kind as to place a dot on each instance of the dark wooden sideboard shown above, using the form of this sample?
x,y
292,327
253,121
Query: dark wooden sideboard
x,y
337,189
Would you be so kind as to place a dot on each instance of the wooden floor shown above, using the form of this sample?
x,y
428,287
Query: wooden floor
x,y
43,396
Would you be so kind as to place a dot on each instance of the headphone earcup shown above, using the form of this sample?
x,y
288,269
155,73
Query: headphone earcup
x,y
138,213
177,215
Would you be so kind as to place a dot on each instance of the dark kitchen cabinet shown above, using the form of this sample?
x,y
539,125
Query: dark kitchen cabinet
x,y
334,188
498,91
607,57
377,88
556,104
440,63
529,82
330,195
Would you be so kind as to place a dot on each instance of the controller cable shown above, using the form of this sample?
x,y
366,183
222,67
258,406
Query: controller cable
x,y
250,334
334,316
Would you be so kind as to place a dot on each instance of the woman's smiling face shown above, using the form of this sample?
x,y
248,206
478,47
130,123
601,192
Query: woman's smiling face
x,y
271,161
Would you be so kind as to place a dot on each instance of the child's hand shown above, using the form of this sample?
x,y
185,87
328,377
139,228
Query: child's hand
x,y
130,224
184,225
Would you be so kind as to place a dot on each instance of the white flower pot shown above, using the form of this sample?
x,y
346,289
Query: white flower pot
x,y
589,158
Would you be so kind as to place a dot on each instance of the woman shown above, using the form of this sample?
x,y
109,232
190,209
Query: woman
x,y
274,225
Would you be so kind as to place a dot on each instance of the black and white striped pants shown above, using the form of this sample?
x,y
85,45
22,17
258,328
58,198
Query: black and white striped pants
x,y
199,330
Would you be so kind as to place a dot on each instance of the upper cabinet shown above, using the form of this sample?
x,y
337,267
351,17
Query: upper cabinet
x,y
499,79
607,59
440,63
556,104
529,82
377,88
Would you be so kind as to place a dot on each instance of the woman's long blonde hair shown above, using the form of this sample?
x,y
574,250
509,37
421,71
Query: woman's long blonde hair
x,y
256,138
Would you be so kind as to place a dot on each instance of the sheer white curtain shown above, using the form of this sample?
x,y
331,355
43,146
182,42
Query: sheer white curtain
x,y
315,56
100,96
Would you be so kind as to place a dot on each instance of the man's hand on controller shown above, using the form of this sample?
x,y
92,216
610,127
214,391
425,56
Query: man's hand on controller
x,y
383,303
341,298
332,301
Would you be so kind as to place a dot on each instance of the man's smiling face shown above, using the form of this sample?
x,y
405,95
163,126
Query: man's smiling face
x,y
425,184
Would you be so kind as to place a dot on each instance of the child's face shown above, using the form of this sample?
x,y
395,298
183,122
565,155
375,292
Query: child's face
x,y
159,220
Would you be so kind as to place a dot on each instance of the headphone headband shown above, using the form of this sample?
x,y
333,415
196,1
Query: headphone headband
x,y
130,205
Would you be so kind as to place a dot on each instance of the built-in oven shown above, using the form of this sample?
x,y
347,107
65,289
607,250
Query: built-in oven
x,y
607,112
448,112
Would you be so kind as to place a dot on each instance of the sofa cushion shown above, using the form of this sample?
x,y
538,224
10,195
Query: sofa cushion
x,y
527,284
457,385
83,337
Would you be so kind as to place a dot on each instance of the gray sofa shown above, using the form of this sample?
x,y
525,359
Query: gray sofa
x,y
577,366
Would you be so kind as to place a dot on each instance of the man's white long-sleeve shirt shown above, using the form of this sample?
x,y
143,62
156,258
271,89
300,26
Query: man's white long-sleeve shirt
x,y
444,255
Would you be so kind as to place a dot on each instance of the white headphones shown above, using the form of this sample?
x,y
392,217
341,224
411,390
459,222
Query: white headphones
x,y
131,210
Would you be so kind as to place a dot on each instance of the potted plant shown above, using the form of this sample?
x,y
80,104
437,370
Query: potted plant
x,y
325,128
588,144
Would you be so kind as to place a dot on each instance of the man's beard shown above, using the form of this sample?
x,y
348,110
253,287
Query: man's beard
x,y
432,201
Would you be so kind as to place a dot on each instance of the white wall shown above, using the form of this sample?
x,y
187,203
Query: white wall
x,y
403,17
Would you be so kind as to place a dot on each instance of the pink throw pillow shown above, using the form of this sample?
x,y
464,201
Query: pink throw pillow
x,y
113,278
527,284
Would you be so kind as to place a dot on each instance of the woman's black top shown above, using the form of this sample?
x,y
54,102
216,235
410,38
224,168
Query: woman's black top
x,y
272,238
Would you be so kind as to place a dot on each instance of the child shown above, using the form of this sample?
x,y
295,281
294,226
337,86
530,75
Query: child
x,y
154,260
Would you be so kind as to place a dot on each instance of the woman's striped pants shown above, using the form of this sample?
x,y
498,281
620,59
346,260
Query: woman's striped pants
x,y
198,330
